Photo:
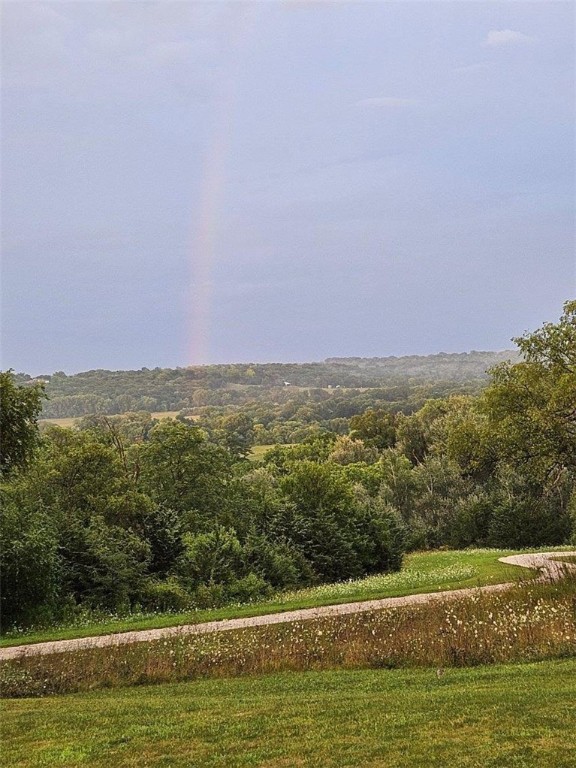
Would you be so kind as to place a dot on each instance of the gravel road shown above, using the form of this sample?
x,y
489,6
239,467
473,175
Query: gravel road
x,y
549,569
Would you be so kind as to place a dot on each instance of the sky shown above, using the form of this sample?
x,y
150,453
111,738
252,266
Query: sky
x,y
188,182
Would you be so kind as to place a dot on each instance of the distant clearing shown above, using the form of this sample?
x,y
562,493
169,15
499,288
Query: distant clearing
x,y
71,421
258,451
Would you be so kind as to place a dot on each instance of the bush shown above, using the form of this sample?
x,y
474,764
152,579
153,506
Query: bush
x,y
29,563
210,558
389,540
163,596
279,563
249,589
209,596
529,522
471,523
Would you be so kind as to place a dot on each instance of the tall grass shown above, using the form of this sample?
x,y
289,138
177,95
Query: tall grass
x,y
529,622
407,580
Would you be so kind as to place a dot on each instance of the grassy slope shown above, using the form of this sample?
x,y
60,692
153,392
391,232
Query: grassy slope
x,y
484,564
509,716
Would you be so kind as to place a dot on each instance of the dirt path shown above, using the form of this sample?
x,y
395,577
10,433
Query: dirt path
x,y
550,569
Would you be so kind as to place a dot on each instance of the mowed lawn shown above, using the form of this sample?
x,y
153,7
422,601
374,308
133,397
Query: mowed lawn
x,y
513,716
421,572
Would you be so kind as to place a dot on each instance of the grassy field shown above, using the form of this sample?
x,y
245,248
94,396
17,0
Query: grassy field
x,y
422,572
257,452
512,716
71,421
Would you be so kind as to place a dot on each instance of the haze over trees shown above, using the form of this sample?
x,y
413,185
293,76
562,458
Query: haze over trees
x,y
126,511
164,389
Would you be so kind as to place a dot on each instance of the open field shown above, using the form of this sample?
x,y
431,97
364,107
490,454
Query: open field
x,y
422,572
258,451
71,421
521,716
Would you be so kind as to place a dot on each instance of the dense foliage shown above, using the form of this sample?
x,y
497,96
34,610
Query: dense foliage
x,y
126,510
19,411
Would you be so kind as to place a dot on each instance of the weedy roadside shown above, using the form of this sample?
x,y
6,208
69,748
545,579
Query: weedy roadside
x,y
531,621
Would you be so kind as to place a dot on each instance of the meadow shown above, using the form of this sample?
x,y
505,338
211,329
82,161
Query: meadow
x,y
421,572
531,621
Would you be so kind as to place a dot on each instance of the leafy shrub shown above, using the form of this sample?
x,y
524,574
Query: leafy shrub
x,y
471,522
29,562
209,596
279,563
210,558
167,595
249,589
529,522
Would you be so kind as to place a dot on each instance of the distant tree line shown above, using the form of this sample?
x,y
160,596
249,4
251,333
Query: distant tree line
x,y
163,389
125,511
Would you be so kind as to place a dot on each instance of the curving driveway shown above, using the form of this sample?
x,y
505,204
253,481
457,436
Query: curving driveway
x,y
549,569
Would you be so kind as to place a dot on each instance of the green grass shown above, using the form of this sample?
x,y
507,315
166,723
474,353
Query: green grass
x,y
422,572
509,716
257,451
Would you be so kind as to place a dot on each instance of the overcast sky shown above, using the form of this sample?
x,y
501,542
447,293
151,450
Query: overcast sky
x,y
282,181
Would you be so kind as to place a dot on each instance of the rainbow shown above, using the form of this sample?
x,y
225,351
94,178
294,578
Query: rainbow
x,y
208,214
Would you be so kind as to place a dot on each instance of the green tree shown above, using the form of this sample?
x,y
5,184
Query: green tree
x,y
415,433
532,405
399,486
348,450
182,470
163,529
210,558
19,411
236,433
464,434
374,427
76,475
104,565
528,513
30,561
78,484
